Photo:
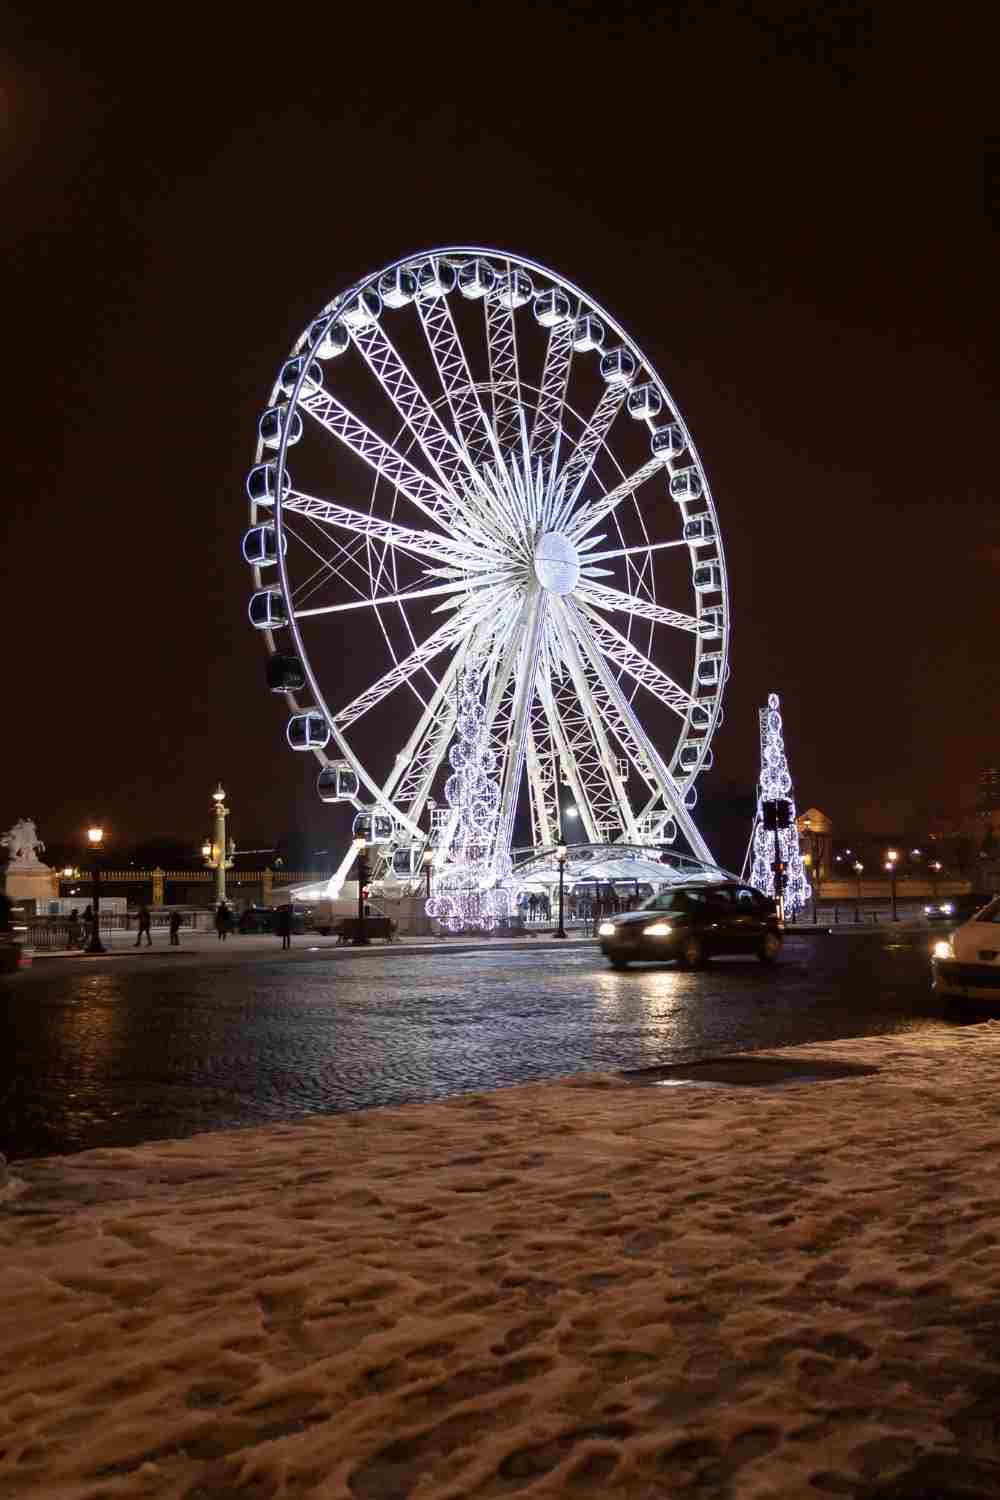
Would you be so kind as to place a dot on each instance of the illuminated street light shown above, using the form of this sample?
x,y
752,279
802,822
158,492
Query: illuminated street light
x,y
560,931
214,851
858,868
892,866
96,837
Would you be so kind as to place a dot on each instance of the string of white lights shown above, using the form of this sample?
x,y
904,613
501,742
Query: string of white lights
x,y
776,785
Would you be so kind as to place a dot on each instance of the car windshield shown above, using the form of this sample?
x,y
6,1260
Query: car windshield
x,y
989,913
674,900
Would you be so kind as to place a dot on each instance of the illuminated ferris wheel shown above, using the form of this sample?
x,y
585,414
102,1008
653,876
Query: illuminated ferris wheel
x,y
467,463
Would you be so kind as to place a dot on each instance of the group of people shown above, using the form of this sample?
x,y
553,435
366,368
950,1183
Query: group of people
x,y
584,906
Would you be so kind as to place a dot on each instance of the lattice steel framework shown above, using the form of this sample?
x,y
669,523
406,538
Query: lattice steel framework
x,y
480,440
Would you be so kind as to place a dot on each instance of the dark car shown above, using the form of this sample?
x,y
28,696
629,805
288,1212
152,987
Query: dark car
x,y
11,952
691,924
265,919
956,909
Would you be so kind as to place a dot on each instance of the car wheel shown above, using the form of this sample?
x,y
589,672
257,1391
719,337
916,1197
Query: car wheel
x,y
692,953
770,949
618,963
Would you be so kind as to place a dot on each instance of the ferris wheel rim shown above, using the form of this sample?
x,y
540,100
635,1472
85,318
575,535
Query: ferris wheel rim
x,y
592,306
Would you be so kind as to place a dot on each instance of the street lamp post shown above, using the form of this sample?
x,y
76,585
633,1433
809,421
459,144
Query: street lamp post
x,y
935,869
221,813
560,931
858,868
95,835
891,864
428,864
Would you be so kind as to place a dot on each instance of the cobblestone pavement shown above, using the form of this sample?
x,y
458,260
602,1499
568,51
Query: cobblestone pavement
x,y
117,1051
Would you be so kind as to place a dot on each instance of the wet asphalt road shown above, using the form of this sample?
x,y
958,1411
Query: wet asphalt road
x,y
127,1050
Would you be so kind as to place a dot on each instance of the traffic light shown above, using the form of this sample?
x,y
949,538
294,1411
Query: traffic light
x,y
776,815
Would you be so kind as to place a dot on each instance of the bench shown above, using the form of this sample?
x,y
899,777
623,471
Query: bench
x,y
374,927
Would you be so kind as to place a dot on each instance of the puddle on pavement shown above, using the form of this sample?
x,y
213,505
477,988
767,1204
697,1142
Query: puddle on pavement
x,y
748,1072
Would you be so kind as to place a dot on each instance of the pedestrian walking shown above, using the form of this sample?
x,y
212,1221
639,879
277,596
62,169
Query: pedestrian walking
x,y
73,930
222,921
532,906
175,927
145,923
283,926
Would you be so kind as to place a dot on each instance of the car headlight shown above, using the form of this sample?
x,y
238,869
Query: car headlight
x,y
947,908
658,929
943,950
928,910
606,929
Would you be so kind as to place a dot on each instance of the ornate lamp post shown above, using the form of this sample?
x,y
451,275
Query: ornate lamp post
x,y
935,869
214,850
96,836
810,864
428,863
891,864
560,931
858,867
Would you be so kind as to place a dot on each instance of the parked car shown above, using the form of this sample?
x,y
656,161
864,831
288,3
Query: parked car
x,y
11,951
967,964
691,924
263,919
956,909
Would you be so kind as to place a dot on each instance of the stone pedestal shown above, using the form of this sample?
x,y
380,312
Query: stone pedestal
x,y
31,883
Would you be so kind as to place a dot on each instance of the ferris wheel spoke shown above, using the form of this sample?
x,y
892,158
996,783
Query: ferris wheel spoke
x,y
429,495
630,733
384,599
439,447
546,432
597,511
446,635
586,558
613,599
616,648
448,354
581,460
407,538
505,382
417,763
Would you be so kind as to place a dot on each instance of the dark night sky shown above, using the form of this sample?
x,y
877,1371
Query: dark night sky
x,y
782,203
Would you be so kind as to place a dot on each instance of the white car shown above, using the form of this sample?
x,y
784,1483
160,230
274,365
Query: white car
x,y
968,963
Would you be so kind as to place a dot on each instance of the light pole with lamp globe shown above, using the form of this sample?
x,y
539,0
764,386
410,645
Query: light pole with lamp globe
x,y
891,865
858,868
95,836
560,931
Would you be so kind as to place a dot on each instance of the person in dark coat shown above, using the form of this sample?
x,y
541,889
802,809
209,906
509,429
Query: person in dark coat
x,y
145,923
283,926
175,927
222,921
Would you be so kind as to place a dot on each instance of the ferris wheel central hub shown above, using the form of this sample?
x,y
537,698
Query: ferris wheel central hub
x,y
557,563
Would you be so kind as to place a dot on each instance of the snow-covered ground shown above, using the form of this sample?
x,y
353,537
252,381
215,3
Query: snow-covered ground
x,y
584,1287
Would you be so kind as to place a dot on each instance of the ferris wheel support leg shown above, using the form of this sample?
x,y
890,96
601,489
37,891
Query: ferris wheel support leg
x,y
336,882
540,819
669,790
531,636
567,761
572,658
